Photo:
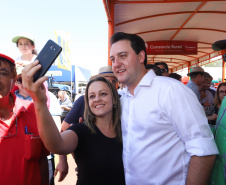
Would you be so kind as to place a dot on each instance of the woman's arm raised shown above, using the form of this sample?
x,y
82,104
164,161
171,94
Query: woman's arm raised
x,y
54,141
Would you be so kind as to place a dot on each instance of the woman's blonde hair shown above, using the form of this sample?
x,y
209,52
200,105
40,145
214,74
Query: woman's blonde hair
x,y
217,100
90,118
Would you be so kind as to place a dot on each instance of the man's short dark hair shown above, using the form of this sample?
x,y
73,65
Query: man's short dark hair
x,y
194,75
156,69
175,76
11,65
137,43
207,75
164,64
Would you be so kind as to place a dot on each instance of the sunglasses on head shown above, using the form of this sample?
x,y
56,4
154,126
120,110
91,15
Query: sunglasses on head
x,y
19,80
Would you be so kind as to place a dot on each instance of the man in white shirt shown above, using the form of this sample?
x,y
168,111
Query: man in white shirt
x,y
166,137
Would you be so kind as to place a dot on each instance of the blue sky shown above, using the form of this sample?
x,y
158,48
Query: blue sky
x,y
86,20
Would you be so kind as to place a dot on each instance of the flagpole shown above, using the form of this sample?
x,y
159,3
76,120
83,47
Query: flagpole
x,y
71,83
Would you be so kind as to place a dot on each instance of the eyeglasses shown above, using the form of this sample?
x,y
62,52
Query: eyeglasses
x,y
221,92
19,80
163,70
10,135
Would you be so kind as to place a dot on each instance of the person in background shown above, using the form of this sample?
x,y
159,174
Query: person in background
x,y
212,110
213,89
205,95
197,79
164,68
23,155
167,139
96,143
220,94
207,100
121,88
157,70
21,92
65,104
26,45
175,76
25,42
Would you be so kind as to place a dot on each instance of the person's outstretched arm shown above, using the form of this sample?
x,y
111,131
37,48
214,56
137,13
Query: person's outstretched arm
x,y
55,142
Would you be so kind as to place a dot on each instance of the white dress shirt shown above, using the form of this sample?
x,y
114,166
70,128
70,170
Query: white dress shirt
x,y
163,124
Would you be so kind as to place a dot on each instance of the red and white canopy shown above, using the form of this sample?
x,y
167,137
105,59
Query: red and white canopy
x,y
203,22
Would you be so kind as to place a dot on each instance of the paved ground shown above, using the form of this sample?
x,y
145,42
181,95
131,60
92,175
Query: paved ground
x,y
71,176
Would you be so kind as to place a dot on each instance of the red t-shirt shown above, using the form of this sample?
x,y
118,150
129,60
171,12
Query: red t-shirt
x,y
20,154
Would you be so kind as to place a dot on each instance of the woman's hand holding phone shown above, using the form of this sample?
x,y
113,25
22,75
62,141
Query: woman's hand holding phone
x,y
35,89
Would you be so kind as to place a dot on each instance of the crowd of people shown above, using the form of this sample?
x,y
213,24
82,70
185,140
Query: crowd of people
x,y
152,130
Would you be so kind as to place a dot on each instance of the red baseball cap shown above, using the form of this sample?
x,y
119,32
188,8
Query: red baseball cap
x,y
7,58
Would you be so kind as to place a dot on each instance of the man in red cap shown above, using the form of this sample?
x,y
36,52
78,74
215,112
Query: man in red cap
x,y
23,155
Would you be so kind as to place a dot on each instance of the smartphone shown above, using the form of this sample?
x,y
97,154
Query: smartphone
x,y
46,57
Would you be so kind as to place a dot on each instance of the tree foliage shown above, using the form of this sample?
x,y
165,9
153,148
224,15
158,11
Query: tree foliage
x,y
217,63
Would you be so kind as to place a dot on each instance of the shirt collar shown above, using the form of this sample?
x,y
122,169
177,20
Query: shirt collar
x,y
63,100
193,83
18,107
145,81
22,97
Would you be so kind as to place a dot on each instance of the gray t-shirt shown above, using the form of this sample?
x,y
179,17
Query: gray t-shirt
x,y
66,102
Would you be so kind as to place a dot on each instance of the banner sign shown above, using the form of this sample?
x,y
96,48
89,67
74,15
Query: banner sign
x,y
53,73
171,48
64,59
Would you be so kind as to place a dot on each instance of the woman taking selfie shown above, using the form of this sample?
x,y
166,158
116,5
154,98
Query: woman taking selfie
x,y
96,143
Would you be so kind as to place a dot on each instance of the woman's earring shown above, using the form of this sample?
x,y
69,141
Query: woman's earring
x,y
114,106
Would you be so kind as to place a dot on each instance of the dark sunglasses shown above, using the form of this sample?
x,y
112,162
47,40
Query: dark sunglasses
x,y
19,80
163,70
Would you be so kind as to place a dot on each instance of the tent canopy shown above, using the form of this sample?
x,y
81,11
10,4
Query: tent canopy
x,y
171,20
62,75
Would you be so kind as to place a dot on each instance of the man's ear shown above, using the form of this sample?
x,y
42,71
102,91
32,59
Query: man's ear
x,y
141,56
